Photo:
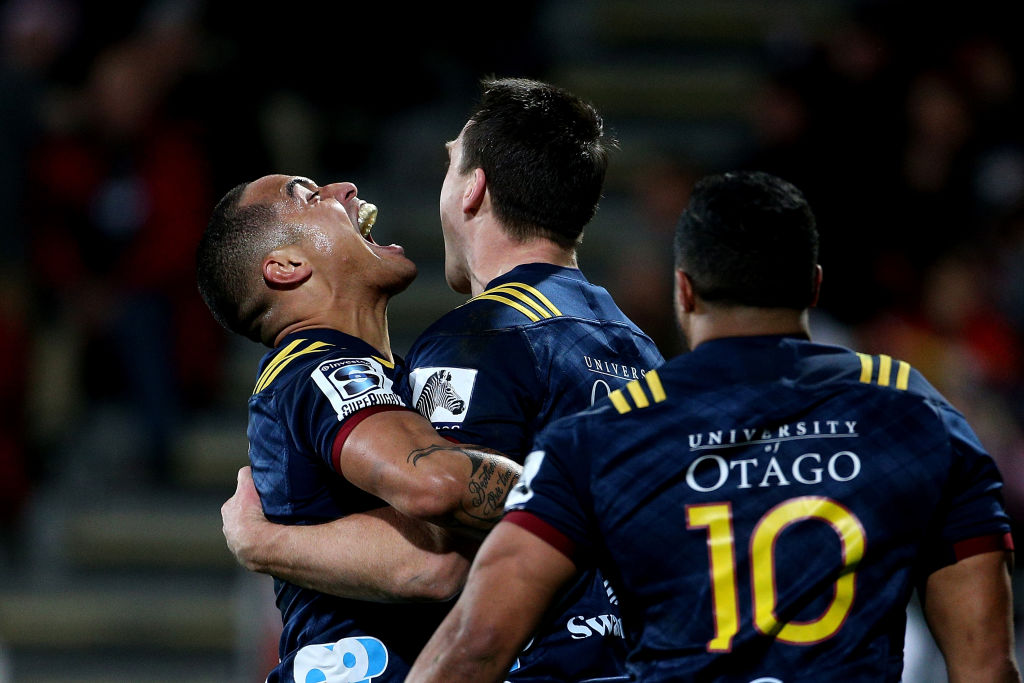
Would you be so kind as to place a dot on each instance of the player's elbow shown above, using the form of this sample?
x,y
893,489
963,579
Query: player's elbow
x,y
998,667
439,579
481,640
437,499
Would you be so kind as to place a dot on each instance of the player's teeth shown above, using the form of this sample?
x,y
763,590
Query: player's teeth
x,y
367,217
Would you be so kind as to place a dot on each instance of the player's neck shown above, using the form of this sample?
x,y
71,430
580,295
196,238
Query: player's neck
x,y
367,321
496,254
745,322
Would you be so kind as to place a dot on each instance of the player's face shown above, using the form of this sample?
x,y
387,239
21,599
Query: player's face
x,y
329,219
456,272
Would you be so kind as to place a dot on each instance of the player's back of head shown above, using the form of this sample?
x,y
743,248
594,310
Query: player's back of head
x,y
228,261
749,239
544,152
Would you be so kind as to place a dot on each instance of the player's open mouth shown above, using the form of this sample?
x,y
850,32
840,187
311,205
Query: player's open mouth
x,y
367,217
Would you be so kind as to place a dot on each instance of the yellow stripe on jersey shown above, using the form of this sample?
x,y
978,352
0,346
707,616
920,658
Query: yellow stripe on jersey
x,y
867,364
509,289
654,384
884,370
903,376
508,302
386,363
637,392
281,360
619,401
512,293
535,292
634,390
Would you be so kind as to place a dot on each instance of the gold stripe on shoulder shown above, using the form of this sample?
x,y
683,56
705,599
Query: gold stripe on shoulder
x,y
885,378
619,401
516,294
506,289
903,376
508,302
385,362
281,360
637,393
866,367
536,293
654,384
884,370
272,365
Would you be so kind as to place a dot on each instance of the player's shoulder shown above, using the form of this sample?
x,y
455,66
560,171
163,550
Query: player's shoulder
x,y
508,304
645,398
329,353
879,371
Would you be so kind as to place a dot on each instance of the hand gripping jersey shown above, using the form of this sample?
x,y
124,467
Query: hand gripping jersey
x,y
312,390
764,507
541,342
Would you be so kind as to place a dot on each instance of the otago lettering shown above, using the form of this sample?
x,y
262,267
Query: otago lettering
x,y
712,472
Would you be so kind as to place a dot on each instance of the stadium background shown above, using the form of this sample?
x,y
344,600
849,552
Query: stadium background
x,y
123,406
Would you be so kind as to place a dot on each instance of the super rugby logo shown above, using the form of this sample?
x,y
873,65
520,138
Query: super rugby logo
x,y
351,384
442,395
352,377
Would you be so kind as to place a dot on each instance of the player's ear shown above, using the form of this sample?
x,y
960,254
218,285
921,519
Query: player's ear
x,y
817,287
286,268
685,298
476,188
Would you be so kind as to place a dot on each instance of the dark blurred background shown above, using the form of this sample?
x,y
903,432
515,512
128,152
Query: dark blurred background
x,y
121,123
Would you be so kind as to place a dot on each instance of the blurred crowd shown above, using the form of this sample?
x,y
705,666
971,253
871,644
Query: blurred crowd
x,y
119,128
903,129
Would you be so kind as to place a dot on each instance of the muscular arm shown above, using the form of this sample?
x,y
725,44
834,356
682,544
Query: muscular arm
x,y
389,554
513,580
968,607
398,457
380,555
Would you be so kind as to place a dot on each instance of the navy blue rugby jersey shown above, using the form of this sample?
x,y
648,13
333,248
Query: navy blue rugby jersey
x,y
539,343
312,390
769,499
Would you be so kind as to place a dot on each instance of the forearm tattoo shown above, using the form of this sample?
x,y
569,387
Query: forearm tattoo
x,y
490,481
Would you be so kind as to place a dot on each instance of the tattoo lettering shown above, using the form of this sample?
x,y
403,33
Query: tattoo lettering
x,y
489,483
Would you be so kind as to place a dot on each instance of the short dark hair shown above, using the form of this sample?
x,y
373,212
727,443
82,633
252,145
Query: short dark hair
x,y
228,261
749,238
544,152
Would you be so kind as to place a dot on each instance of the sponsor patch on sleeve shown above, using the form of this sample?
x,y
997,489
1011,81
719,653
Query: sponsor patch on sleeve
x,y
351,384
442,395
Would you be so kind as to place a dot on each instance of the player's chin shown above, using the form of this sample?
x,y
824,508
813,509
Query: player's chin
x,y
403,274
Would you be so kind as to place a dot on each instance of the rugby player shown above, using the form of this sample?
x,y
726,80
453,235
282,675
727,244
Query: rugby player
x,y
286,262
536,341
763,505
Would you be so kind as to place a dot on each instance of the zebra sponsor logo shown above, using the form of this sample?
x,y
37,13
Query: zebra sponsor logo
x,y
351,384
442,395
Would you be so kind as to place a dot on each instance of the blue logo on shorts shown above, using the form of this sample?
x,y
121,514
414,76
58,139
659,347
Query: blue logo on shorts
x,y
350,660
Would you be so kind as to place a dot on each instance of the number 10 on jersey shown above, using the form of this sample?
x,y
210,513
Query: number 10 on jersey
x,y
716,518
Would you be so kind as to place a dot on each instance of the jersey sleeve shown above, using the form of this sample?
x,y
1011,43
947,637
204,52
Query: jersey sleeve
x,y
973,519
337,394
480,388
552,497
